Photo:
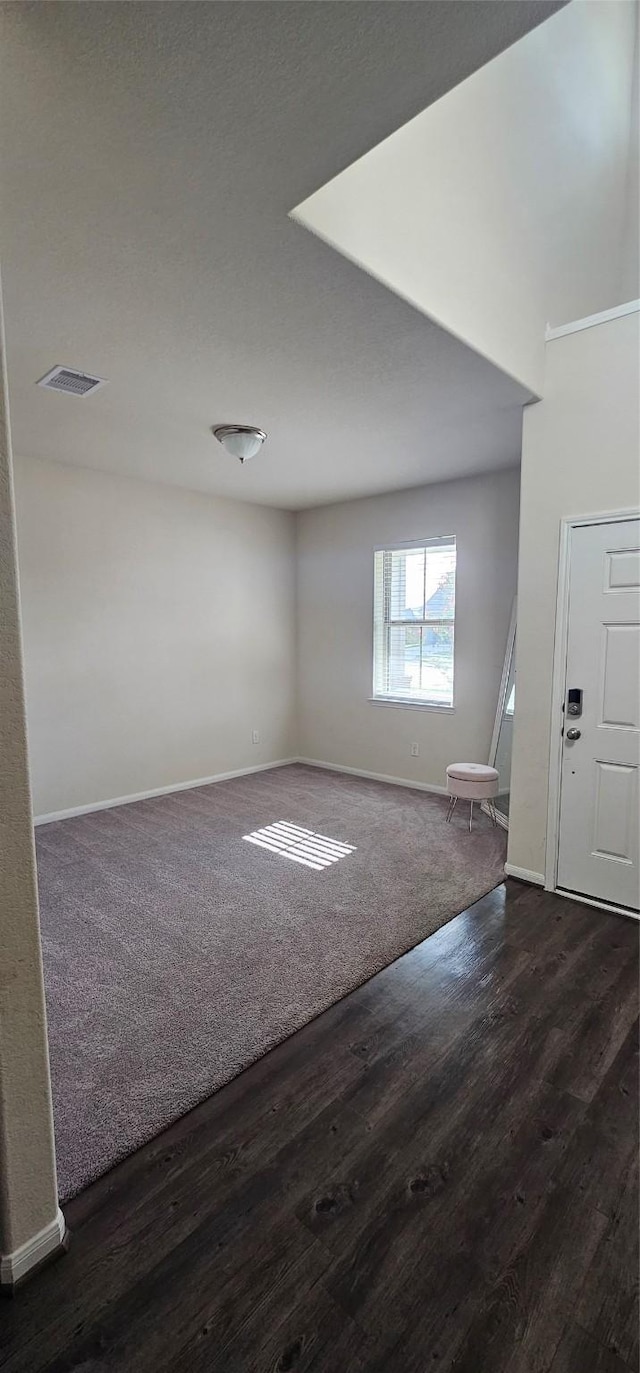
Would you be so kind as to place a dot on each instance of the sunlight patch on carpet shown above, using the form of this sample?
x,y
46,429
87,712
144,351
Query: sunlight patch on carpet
x,y
301,846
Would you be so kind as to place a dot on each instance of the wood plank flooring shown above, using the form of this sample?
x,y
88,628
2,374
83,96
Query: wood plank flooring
x,y
440,1172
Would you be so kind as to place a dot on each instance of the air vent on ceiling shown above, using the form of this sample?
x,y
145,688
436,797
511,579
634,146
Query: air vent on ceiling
x,y
72,383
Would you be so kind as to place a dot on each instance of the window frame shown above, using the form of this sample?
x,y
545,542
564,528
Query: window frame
x,y
385,623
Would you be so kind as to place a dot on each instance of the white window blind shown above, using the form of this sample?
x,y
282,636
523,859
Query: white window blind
x,y
414,620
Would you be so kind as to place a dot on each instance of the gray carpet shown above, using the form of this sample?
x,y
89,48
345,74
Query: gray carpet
x,y
176,953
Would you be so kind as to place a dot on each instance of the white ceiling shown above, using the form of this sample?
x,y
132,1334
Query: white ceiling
x,y
151,155
506,206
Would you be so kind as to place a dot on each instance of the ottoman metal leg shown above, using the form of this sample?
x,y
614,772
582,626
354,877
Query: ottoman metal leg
x,y
452,806
470,817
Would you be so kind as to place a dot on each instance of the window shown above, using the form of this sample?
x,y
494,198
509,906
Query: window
x,y
414,615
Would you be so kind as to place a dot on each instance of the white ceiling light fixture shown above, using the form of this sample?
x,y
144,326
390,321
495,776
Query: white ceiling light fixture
x,y
243,441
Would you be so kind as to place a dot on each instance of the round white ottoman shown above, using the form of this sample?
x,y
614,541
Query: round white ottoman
x,y
473,782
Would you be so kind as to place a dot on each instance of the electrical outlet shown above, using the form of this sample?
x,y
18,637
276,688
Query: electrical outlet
x,y
255,736
415,750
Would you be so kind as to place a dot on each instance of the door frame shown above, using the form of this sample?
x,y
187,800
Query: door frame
x,y
561,643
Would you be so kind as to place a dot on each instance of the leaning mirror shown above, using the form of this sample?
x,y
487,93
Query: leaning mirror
x,y
501,743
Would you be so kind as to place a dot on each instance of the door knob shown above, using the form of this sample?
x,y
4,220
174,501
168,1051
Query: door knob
x,y
573,734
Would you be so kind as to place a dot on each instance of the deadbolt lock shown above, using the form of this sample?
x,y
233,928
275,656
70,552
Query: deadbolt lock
x,y
574,701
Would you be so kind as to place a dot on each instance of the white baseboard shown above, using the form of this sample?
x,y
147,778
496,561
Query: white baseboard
x,y
67,814
524,874
14,1267
374,776
158,791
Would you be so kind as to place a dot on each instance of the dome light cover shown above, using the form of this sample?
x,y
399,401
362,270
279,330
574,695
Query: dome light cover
x,y
243,441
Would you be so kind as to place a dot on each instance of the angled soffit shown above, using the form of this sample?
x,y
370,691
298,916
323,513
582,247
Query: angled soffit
x,y
503,206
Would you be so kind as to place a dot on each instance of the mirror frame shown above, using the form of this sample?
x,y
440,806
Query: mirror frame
x,y
503,820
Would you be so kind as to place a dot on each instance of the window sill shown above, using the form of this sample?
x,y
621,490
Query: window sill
x,y
411,705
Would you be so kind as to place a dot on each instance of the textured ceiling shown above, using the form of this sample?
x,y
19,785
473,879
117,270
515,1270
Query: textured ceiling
x,y
151,154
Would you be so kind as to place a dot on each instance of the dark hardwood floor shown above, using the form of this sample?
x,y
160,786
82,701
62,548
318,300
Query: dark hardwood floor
x,y
438,1173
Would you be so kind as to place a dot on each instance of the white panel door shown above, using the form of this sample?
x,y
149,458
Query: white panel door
x,y
599,800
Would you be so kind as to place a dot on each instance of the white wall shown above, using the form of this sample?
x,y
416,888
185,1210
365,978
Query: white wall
x,y
502,206
28,1191
337,722
629,277
581,456
158,629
